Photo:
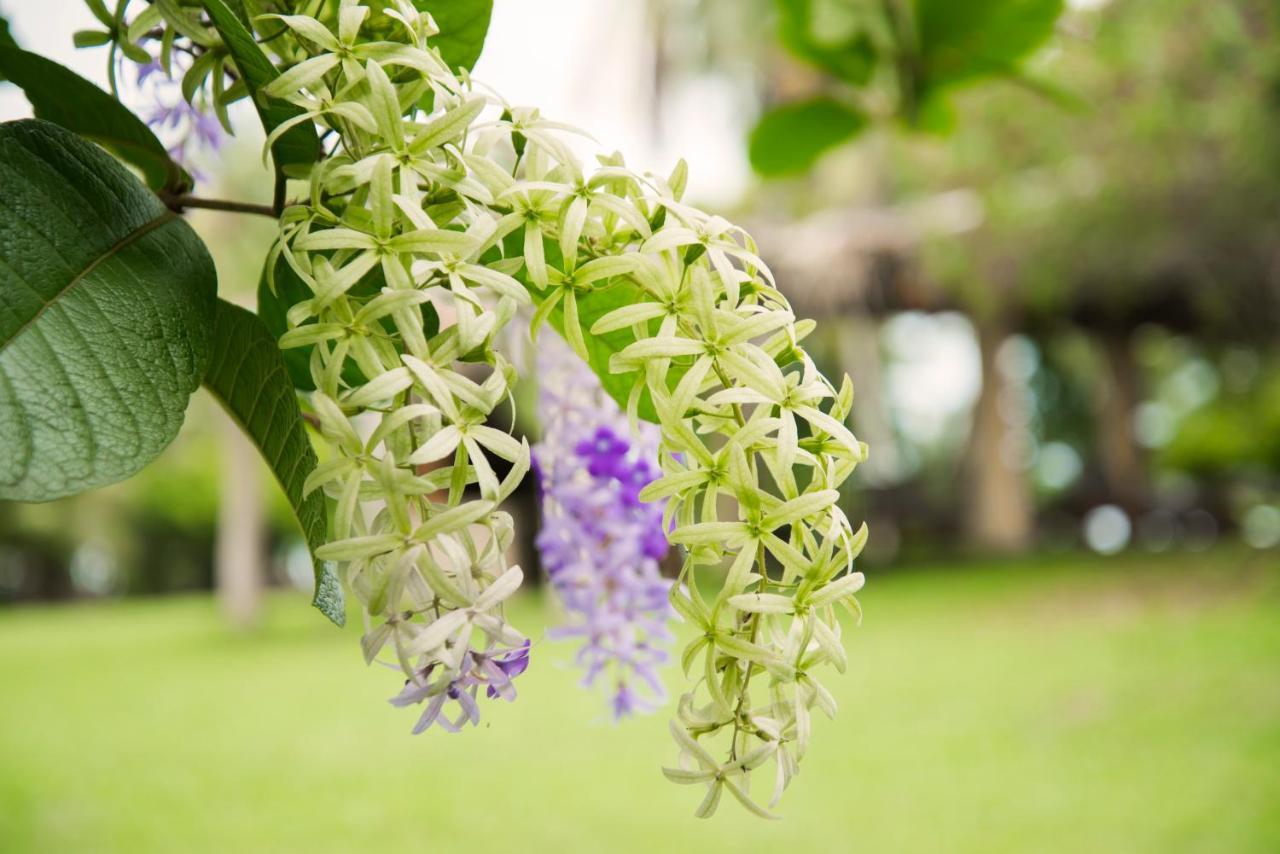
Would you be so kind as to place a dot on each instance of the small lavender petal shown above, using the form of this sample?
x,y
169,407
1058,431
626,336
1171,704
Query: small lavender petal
x,y
145,71
470,709
430,715
494,669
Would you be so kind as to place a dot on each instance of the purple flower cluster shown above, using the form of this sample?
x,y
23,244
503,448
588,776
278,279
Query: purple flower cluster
x,y
599,543
610,463
491,669
185,125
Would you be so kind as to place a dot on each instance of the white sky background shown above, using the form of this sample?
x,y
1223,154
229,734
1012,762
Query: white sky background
x,y
585,62
588,63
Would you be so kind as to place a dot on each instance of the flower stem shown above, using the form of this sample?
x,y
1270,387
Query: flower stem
x,y
753,619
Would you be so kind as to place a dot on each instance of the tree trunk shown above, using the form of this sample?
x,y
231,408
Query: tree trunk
x,y
998,515
240,551
857,344
1123,466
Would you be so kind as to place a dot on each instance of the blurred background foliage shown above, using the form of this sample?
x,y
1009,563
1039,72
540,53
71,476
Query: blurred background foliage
x,y
1092,188
1044,239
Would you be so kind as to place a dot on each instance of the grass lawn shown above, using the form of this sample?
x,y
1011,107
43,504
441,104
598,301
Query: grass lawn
x,y
1075,704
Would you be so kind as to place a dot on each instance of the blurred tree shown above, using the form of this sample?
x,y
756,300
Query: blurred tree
x,y
997,513
1237,433
899,62
240,553
1152,204
1140,191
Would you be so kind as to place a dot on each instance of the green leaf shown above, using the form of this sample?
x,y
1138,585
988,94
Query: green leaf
x,y
273,305
463,25
106,298
842,47
90,38
299,146
789,139
960,42
59,95
248,377
99,10
593,305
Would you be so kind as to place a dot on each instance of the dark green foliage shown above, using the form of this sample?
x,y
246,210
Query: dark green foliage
x,y
248,376
106,299
6,39
275,295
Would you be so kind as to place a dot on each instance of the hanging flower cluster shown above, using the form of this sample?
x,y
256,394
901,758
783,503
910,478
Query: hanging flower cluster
x,y
467,210
600,544
395,204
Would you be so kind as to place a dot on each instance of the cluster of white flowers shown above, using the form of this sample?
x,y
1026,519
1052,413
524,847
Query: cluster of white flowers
x,y
474,207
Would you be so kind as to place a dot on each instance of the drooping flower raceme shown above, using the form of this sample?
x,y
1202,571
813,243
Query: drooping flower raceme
x,y
600,544
423,549
466,211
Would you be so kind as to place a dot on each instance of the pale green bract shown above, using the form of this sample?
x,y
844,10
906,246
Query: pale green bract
x,y
477,209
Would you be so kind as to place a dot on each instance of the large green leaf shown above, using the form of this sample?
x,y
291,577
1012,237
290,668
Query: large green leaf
x,y
959,42
106,299
463,25
247,375
789,139
58,94
299,145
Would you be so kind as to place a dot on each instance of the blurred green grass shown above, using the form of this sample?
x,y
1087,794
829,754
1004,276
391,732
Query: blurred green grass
x,y
1071,704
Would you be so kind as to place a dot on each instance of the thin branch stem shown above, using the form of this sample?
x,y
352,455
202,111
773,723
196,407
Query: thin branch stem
x,y
180,201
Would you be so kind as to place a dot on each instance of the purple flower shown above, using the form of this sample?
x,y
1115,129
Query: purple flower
x,y
145,71
494,670
604,453
185,126
600,544
507,667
